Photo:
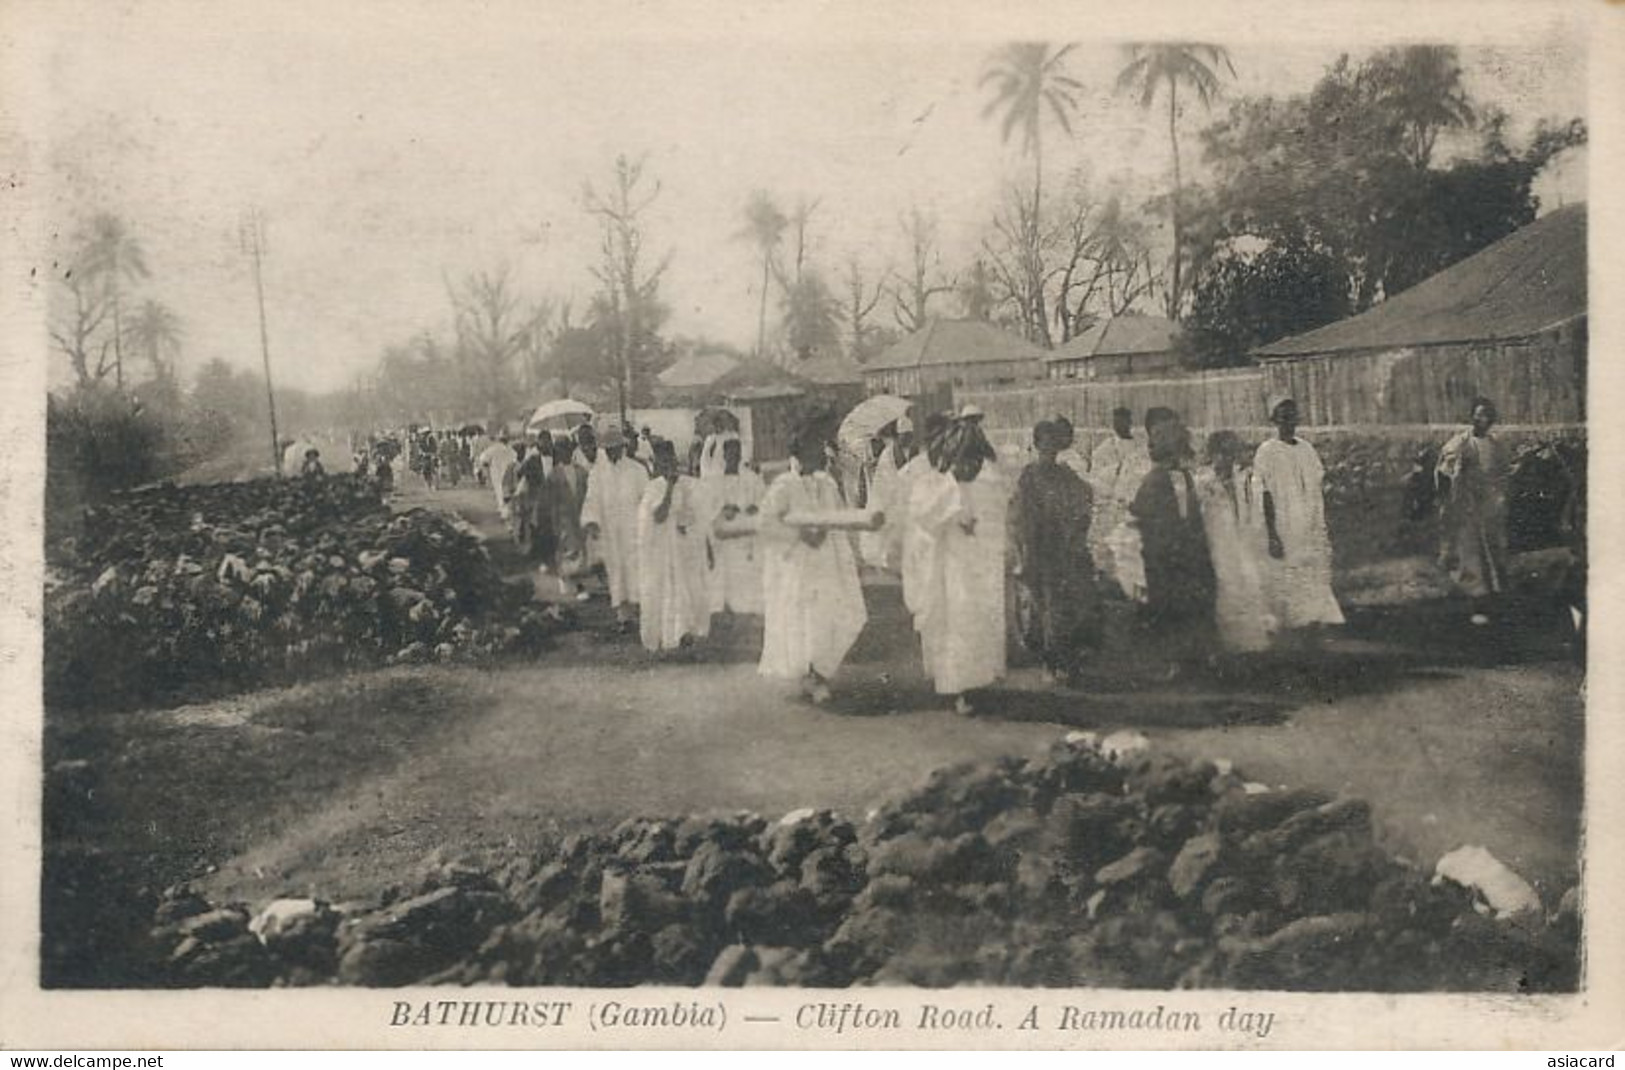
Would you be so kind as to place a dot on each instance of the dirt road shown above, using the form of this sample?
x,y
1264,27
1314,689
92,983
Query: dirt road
x,y
340,786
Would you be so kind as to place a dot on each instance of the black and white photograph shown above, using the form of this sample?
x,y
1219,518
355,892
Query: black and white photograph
x,y
530,504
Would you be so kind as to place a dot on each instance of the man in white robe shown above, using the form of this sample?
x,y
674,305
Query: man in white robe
x,y
813,608
494,461
1298,570
727,493
1117,467
674,609
915,546
610,515
880,548
961,615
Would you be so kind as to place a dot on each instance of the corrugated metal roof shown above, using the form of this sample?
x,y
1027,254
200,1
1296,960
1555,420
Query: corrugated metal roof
x,y
943,341
1124,335
1529,281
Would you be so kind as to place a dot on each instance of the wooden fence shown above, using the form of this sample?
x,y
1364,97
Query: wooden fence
x,y
1534,382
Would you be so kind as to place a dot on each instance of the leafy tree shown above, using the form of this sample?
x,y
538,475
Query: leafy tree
x,y
1245,300
811,316
1349,171
1150,68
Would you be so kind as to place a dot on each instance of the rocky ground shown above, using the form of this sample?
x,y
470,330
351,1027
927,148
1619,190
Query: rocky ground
x,y
1099,863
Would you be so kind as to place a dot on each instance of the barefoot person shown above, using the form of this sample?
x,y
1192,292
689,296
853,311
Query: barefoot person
x,y
1298,572
1472,481
812,602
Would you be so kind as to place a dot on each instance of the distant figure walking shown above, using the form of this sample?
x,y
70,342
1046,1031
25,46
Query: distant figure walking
x,y
1472,478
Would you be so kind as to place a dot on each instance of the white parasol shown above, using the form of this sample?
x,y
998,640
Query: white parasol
x,y
864,422
565,413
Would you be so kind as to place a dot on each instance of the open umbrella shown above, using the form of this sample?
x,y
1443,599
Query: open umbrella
x,y
473,429
565,412
864,422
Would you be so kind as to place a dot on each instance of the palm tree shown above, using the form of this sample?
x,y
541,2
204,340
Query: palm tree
x,y
155,332
1189,64
1029,80
113,255
1421,86
765,224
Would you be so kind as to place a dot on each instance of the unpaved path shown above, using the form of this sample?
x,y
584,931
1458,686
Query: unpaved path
x,y
397,764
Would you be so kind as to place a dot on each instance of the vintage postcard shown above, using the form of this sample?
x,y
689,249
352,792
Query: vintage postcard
x,y
738,525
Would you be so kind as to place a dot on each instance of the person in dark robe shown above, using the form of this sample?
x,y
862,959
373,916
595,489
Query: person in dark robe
x,y
1180,588
532,507
566,489
1054,570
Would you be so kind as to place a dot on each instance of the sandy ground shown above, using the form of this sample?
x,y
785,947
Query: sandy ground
x,y
340,786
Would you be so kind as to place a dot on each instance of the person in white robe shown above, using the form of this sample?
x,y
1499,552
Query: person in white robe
x,y
1070,455
813,609
916,543
610,514
494,461
727,491
673,607
589,459
1298,569
1231,516
1117,467
880,548
961,617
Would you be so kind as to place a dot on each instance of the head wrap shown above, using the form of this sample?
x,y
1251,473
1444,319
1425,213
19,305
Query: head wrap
x,y
1276,401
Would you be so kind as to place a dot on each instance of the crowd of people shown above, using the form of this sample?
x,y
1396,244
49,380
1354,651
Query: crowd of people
x,y
1216,552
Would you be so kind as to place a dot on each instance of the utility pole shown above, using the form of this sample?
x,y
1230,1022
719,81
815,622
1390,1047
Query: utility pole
x,y
253,239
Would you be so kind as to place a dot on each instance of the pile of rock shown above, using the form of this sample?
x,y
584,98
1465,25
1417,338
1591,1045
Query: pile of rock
x,y
1095,865
240,585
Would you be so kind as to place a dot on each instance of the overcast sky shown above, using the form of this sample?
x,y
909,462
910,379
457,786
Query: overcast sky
x,y
397,149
